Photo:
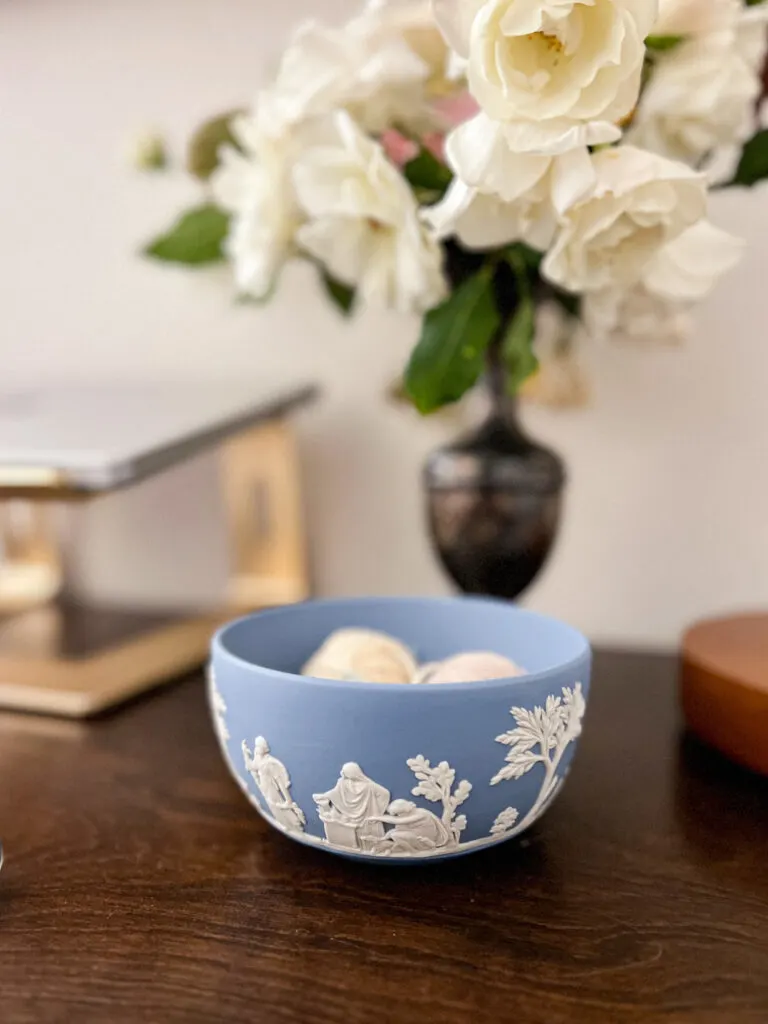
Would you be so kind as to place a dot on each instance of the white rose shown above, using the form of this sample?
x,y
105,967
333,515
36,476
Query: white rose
x,y
694,17
363,224
365,67
635,315
639,203
681,274
484,221
256,187
699,102
414,22
512,180
700,97
698,19
542,59
752,37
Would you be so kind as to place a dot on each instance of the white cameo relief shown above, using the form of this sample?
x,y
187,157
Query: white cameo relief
x,y
436,785
274,782
350,812
505,821
416,830
219,707
357,810
541,736
359,815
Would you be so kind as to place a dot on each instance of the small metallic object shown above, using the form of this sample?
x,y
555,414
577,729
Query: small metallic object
x,y
494,499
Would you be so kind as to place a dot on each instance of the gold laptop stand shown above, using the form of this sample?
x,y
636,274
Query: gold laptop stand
x,y
68,659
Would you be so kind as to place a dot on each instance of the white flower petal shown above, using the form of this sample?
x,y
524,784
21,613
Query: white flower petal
x,y
414,23
687,268
311,78
256,187
693,17
550,138
573,177
376,67
655,309
257,248
238,181
751,38
455,67
444,216
543,60
480,221
454,18
699,103
342,244
480,155
362,222
639,202
472,148
635,315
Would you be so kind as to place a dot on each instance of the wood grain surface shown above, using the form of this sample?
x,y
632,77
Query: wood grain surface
x,y
139,886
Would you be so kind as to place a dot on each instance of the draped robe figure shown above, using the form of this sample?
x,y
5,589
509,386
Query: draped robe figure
x,y
348,811
271,776
415,829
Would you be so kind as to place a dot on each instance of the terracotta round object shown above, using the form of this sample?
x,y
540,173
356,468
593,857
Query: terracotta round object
x,y
725,686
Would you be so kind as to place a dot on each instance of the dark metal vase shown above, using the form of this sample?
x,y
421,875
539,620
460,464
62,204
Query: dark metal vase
x,y
494,499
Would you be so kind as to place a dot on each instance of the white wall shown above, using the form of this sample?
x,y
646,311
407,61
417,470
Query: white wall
x,y
668,507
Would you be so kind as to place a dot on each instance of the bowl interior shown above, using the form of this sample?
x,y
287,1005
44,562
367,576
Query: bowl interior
x,y
434,628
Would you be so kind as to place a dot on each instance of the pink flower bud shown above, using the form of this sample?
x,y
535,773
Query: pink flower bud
x,y
457,109
399,149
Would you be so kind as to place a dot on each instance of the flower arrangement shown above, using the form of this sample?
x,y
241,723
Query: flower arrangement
x,y
483,162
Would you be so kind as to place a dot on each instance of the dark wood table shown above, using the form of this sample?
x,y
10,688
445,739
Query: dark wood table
x,y
140,886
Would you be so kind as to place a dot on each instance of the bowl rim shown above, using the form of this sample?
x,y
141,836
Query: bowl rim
x,y
219,650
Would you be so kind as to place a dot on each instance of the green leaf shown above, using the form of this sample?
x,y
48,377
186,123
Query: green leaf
x,y
194,239
662,44
753,166
521,255
449,356
203,149
426,172
339,293
517,346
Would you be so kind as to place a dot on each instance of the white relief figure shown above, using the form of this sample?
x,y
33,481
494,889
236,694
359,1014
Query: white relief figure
x,y
416,830
436,785
541,736
274,782
219,707
350,811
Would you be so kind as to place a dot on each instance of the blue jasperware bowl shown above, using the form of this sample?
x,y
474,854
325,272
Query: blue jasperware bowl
x,y
392,771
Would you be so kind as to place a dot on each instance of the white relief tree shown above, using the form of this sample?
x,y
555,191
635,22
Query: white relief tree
x,y
540,736
505,821
436,785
